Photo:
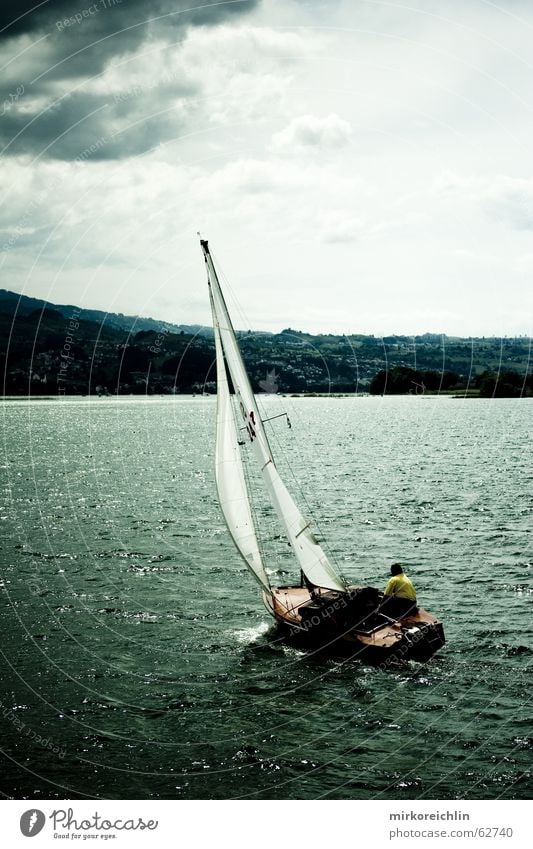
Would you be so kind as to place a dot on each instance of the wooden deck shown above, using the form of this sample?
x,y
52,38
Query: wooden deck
x,y
287,600
284,603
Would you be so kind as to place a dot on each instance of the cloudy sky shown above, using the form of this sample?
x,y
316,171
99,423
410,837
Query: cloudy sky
x,y
357,165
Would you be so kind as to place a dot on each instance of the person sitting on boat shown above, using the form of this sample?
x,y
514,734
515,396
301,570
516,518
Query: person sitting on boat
x,y
400,594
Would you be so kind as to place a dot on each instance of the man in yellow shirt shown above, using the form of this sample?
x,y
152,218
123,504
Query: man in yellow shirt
x,y
400,594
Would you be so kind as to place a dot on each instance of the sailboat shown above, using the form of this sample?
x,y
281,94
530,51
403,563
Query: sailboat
x,y
323,610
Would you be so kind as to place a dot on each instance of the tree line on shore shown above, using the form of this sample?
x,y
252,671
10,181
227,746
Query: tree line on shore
x,y
402,380
47,352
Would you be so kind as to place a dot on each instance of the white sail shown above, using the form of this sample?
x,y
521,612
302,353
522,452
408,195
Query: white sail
x,y
311,557
229,473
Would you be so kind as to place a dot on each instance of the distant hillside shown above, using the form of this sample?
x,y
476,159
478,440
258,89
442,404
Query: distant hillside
x,y
48,349
12,303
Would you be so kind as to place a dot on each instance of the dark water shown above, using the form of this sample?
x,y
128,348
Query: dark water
x,y
135,643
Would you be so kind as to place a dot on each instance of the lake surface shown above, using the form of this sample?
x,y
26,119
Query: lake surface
x,y
135,643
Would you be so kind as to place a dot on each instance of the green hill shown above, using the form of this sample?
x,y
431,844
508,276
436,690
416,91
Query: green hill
x,y
48,349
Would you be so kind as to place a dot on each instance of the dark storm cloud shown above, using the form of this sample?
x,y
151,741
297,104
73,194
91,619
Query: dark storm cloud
x,y
89,127
18,17
53,47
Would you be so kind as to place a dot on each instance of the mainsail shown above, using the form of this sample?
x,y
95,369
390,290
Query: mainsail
x,y
311,557
231,485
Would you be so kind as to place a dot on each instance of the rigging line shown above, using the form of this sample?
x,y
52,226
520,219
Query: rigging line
x,y
249,490
227,287
231,411
279,416
287,606
308,511
283,455
266,526
274,531
302,530
270,532
279,533
220,273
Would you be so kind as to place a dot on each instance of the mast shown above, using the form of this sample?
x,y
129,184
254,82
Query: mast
x,y
311,557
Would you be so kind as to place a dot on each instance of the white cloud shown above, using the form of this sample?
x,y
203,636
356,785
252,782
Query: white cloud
x,y
243,72
310,131
513,204
505,199
214,65
338,227
311,159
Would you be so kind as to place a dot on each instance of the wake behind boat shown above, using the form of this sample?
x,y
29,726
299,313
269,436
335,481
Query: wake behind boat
x,y
323,610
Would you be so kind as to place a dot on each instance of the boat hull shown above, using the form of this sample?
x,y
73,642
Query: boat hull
x,y
354,624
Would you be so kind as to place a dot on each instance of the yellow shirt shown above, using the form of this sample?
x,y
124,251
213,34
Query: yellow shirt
x,y
401,587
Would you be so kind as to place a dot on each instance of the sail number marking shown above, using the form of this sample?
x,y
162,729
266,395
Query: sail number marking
x,y
250,427
249,418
